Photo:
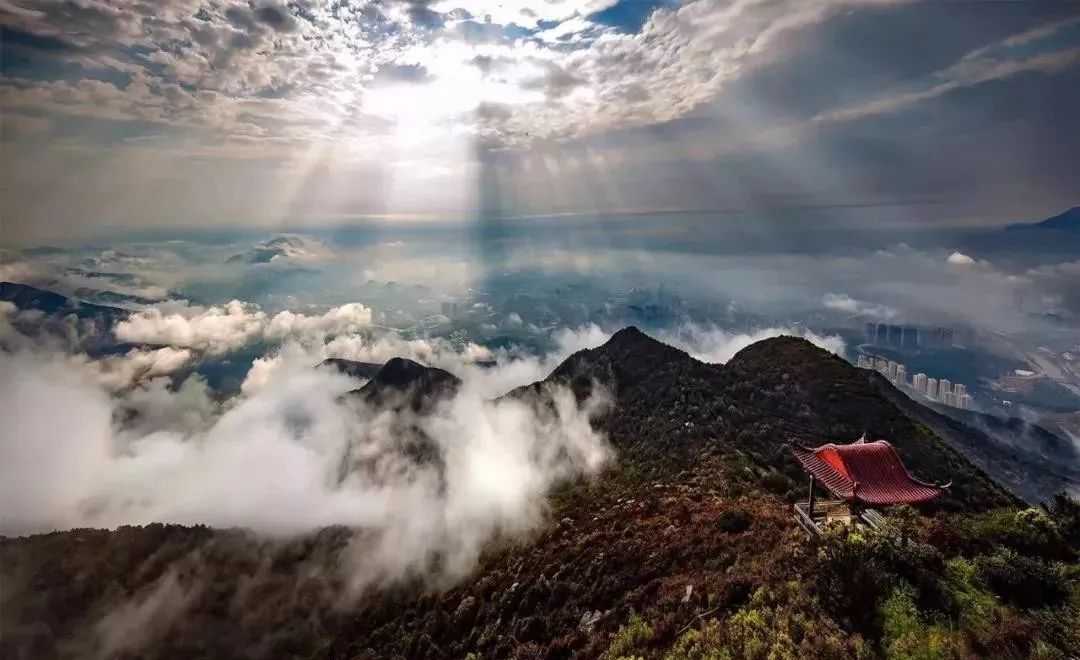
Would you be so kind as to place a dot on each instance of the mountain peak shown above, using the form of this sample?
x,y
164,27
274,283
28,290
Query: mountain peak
x,y
404,382
628,337
630,341
403,372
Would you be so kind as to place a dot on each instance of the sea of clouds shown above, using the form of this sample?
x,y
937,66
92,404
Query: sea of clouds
x,y
112,441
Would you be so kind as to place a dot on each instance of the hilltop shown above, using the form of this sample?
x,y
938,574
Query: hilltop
x,y
402,383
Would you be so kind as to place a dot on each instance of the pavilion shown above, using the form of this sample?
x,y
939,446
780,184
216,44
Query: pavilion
x,y
860,475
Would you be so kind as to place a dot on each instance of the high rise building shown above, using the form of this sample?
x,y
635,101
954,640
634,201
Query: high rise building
x,y
944,388
892,370
901,375
896,335
910,337
882,365
932,388
966,402
960,390
939,337
918,382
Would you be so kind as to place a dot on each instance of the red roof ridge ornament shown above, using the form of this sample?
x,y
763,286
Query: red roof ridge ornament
x,y
864,471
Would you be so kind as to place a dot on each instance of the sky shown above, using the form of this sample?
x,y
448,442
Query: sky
x,y
211,114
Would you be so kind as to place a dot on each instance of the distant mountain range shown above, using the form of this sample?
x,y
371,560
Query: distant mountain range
x,y
285,246
95,322
1069,221
27,297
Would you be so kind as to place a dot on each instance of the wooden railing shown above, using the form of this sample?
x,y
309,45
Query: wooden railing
x,y
828,511
802,516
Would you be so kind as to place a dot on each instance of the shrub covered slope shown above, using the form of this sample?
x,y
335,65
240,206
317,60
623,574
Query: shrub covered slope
x,y
685,548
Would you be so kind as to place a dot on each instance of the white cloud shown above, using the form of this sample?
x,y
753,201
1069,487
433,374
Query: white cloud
x,y
119,372
716,346
218,330
959,259
841,302
237,65
346,319
212,329
514,368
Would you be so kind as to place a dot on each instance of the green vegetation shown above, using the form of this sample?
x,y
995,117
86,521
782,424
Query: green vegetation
x,y
901,593
630,637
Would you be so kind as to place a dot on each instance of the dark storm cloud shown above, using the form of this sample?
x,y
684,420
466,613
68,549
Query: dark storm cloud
x,y
991,146
421,14
857,54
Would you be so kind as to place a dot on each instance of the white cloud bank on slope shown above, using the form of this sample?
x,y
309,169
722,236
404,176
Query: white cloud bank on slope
x,y
288,459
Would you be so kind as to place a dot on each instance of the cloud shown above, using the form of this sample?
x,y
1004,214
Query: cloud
x,y
285,247
212,329
345,319
514,367
120,372
140,620
841,302
959,259
222,329
287,100
402,73
986,64
290,458
716,346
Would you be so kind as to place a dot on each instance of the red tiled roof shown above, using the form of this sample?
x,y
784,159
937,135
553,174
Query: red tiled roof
x,y
868,472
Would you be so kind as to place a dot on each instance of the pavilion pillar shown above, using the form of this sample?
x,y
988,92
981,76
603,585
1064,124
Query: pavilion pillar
x,y
810,499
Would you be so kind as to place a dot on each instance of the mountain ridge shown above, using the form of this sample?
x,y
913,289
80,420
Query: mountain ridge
x,y
26,297
673,409
352,368
1067,221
